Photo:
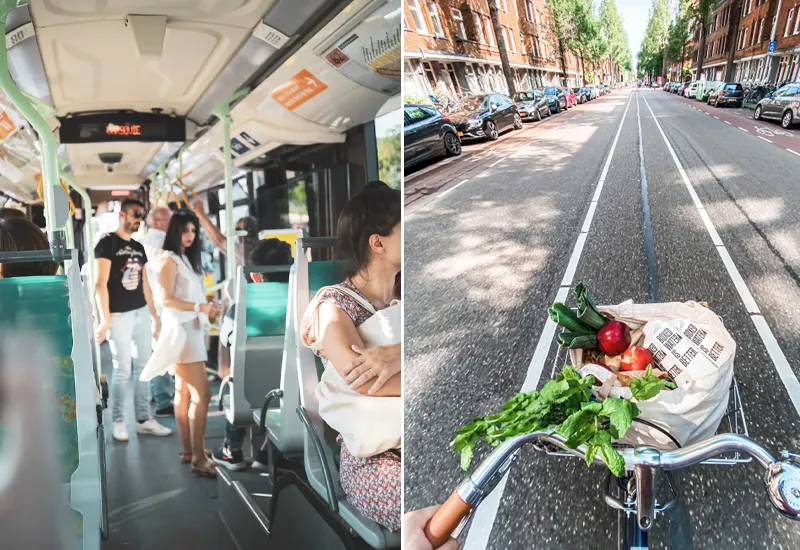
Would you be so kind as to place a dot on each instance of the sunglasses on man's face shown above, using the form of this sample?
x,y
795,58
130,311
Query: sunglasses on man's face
x,y
139,214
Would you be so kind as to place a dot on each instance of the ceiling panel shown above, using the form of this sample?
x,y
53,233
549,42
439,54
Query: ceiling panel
x,y
240,13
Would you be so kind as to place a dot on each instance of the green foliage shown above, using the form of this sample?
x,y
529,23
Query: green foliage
x,y
613,29
656,37
389,158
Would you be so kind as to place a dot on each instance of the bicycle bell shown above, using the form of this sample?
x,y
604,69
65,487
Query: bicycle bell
x,y
783,485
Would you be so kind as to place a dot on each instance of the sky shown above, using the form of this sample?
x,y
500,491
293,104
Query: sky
x,y
635,14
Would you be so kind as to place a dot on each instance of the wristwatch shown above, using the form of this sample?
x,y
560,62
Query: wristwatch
x,y
197,307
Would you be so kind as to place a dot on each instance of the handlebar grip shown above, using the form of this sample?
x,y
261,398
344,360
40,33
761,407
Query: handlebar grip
x,y
446,519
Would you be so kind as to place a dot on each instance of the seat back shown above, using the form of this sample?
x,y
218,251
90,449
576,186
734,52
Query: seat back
x,y
258,344
311,276
53,308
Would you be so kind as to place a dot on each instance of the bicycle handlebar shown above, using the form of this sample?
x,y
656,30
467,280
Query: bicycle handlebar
x,y
782,479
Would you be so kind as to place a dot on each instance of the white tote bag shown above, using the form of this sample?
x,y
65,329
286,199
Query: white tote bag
x,y
369,425
690,342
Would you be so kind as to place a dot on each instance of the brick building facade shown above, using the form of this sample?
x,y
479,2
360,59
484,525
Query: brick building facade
x,y
760,22
450,47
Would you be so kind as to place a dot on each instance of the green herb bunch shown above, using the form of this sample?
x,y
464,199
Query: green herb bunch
x,y
566,406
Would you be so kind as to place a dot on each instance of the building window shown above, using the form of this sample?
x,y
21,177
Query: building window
x,y
451,73
796,25
529,10
429,72
416,14
522,44
489,31
462,30
437,23
387,137
476,19
789,22
760,29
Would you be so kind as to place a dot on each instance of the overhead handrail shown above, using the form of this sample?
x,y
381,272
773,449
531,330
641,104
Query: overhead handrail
x,y
56,219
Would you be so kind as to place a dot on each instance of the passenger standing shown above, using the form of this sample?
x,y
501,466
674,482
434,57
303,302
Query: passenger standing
x,y
162,387
123,301
182,343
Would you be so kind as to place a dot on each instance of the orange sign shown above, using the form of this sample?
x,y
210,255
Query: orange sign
x,y
6,125
123,130
302,87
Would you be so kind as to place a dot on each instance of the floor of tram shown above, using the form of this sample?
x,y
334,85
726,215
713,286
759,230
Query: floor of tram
x,y
154,501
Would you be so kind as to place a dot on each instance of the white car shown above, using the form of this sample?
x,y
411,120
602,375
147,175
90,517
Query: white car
x,y
691,90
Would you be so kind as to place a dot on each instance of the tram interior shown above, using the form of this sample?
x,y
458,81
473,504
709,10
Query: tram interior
x,y
275,109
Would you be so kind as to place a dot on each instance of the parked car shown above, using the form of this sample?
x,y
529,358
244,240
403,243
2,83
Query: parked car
x,y
572,99
427,134
581,95
593,91
726,93
703,87
783,105
556,98
691,90
532,105
486,116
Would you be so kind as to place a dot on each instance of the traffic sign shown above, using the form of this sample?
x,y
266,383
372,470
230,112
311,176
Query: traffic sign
x,y
771,46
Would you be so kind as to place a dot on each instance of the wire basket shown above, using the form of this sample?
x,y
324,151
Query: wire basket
x,y
734,421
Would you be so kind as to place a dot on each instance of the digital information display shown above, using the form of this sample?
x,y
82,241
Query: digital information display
x,y
111,127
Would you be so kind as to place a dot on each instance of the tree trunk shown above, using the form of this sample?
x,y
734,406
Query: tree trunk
x,y
563,56
503,47
701,47
683,60
733,33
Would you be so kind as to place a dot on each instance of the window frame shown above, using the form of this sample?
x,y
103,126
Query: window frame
x,y
416,11
459,19
433,13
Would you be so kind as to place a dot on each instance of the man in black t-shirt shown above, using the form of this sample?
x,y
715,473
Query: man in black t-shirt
x,y
125,304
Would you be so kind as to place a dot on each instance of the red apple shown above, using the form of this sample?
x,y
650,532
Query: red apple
x,y
614,337
635,358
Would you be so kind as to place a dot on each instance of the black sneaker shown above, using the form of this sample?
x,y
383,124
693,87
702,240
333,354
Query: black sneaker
x,y
225,457
169,410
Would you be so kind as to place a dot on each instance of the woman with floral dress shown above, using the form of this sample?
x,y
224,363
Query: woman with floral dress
x,y
369,238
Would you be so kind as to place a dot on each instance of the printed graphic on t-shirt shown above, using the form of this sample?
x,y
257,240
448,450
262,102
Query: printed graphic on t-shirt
x,y
131,274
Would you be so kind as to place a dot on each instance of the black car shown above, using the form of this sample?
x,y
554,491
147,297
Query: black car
x,y
556,98
427,134
531,105
581,94
726,93
587,93
486,116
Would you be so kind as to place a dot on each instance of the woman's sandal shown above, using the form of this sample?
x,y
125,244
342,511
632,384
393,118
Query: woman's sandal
x,y
207,469
186,458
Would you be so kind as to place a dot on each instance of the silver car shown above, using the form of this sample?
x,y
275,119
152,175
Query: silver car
x,y
783,105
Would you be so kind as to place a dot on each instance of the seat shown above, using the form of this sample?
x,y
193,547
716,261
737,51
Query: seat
x,y
53,309
257,354
320,452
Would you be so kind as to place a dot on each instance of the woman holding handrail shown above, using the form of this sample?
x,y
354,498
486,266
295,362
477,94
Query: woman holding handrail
x,y
342,317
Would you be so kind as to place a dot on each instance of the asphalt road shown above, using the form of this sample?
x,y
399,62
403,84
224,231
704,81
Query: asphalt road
x,y
486,259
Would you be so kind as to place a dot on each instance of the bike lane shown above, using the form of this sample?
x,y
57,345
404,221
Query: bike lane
x,y
742,120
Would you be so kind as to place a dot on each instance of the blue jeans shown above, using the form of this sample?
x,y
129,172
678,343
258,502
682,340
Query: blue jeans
x,y
130,331
163,389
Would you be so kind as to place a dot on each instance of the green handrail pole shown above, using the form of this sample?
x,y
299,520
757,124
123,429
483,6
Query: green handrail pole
x,y
223,113
56,235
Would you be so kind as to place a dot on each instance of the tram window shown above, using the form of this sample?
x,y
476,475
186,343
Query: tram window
x,y
238,213
387,135
238,190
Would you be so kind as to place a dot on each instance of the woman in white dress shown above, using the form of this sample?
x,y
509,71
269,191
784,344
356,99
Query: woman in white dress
x,y
186,319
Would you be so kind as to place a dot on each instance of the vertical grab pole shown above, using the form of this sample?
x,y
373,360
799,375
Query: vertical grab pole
x,y
55,231
223,113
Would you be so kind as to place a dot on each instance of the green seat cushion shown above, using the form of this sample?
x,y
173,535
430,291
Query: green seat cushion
x,y
266,309
39,306
322,274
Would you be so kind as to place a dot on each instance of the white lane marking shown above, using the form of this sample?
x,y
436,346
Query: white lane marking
x,y
726,122
572,266
793,152
782,366
459,184
743,130
765,139
715,116
495,163
483,520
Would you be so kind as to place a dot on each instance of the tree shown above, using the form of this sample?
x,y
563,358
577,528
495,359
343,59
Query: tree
x,y
656,37
733,32
679,35
613,30
702,10
503,47
578,29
